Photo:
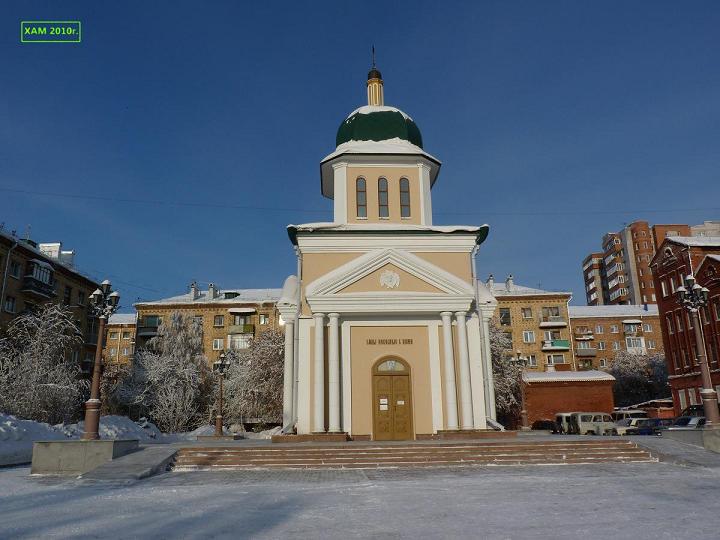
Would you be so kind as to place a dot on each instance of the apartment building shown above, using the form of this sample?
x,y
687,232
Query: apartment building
x,y
676,258
35,274
230,317
601,332
620,274
537,322
119,343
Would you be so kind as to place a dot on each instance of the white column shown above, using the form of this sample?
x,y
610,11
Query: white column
x,y
450,396
319,374
334,374
288,376
466,416
487,364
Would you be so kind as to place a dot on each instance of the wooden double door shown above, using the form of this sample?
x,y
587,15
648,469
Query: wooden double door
x,y
392,406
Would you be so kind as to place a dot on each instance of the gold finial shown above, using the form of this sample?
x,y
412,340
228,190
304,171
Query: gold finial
x,y
375,84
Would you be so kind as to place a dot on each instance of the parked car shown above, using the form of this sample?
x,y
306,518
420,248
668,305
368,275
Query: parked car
x,y
695,410
622,426
649,426
687,422
622,414
592,423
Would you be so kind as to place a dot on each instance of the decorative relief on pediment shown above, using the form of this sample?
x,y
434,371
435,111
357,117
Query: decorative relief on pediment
x,y
389,279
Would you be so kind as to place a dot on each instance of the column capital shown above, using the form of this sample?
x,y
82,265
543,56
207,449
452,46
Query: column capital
x,y
446,314
334,315
461,314
318,315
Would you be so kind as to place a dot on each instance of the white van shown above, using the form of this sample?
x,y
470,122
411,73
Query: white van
x,y
562,421
591,423
622,414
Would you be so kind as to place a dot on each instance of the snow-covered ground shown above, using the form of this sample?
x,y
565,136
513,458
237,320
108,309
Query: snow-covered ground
x,y
17,435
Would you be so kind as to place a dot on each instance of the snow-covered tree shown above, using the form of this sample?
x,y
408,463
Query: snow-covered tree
x,y
170,380
506,375
38,378
254,380
639,378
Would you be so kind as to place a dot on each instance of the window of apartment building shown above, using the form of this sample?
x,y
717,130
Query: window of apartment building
x,y
125,351
633,342
705,315
112,335
527,313
631,327
683,356
683,398
663,287
716,308
636,246
217,344
689,321
113,352
599,329
552,334
80,298
583,345
550,312
653,297
650,343
198,319
528,336
647,327
219,320
10,304
504,316
670,325
152,321
678,319
640,271
601,345
614,329
603,363
672,284
532,360
240,341
126,335
644,299
692,394
14,269
264,318
616,346
553,359
67,295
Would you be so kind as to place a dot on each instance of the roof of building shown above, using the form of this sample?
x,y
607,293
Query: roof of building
x,y
244,296
122,318
481,232
696,241
503,288
566,376
378,123
646,310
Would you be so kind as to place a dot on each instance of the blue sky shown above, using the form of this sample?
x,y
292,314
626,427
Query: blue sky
x,y
199,127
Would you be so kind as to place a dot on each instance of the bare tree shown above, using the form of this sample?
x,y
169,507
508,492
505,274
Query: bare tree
x,y
170,380
506,375
254,387
638,378
38,378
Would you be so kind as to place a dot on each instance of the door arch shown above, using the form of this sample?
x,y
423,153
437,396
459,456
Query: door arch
x,y
392,400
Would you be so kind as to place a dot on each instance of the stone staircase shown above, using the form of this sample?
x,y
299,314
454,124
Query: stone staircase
x,y
411,454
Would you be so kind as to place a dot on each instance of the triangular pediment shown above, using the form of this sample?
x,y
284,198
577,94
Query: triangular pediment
x,y
389,279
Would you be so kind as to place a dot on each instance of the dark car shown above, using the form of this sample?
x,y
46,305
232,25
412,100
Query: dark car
x,y
650,426
695,410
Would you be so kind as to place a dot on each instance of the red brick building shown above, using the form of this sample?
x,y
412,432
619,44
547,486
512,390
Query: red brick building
x,y
676,258
551,392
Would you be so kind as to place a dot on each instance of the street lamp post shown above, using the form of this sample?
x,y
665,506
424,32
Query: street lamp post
x,y
103,303
522,362
692,296
220,366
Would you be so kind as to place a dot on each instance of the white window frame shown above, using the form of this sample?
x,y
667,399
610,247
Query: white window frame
x,y
217,344
528,336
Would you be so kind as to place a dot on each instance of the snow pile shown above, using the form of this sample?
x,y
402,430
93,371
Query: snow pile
x,y
17,437
118,427
193,435
267,434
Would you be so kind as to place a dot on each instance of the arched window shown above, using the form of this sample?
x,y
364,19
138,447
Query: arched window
x,y
383,198
404,197
391,365
361,197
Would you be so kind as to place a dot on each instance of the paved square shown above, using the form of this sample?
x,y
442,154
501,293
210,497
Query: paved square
x,y
648,500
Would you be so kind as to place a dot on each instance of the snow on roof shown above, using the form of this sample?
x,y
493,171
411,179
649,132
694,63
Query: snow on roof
x,y
330,226
696,241
244,296
122,318
648,310
395,145
501,289
369,109
566,376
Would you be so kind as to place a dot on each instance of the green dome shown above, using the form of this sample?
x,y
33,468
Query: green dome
x,y
378,123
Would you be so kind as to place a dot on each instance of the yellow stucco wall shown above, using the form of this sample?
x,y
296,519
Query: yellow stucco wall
x,y
393,175
408,282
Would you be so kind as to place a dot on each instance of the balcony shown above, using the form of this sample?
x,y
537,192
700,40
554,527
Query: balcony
x,y
241,329
147,331
556,345
34,286
584,335
584,353
552,321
